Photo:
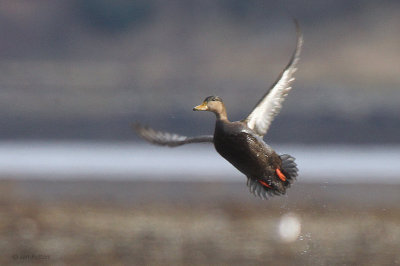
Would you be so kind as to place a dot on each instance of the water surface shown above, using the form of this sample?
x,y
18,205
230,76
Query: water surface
x,y
132,161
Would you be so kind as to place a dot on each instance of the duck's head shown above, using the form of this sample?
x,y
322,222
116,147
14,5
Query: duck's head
x,y
212,104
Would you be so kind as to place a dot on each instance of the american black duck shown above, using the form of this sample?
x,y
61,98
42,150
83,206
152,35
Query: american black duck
x,y
241,142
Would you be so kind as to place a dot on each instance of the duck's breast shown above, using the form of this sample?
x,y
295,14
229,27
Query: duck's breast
x,y
243,149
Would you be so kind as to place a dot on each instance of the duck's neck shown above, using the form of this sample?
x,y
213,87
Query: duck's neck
x,y
221,115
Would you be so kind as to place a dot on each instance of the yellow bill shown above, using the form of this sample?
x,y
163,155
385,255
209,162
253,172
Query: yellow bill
x,y
201,107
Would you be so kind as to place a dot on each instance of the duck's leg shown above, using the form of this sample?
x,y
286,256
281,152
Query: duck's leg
x,y
280,175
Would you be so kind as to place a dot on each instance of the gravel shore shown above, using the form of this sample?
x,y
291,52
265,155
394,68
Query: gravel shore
x,y
173,223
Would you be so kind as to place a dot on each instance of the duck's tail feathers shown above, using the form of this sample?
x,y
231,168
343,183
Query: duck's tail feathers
x,y
259,189
275,184
289,168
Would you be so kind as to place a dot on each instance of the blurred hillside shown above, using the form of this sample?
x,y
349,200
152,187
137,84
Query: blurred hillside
x,y
87,69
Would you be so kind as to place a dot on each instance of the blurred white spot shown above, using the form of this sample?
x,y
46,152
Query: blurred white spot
x,y
289,227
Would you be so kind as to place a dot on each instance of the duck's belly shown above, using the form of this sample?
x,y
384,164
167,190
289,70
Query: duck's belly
x,y
247,153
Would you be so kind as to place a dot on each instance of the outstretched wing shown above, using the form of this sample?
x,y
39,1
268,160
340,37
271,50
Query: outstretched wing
x,y
167,139
271,103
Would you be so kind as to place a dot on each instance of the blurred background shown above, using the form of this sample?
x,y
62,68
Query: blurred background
x,y
77,186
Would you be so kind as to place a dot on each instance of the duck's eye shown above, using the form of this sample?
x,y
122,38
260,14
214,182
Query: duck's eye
x,y
212,99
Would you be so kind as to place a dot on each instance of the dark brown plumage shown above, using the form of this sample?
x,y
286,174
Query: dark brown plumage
x,y
241,142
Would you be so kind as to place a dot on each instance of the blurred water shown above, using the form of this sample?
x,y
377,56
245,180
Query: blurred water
x,y
128,160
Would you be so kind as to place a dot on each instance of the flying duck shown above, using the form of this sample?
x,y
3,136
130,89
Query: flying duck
x,y
241,142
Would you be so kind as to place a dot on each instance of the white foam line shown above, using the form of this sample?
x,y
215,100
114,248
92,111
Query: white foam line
x,y
199,162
